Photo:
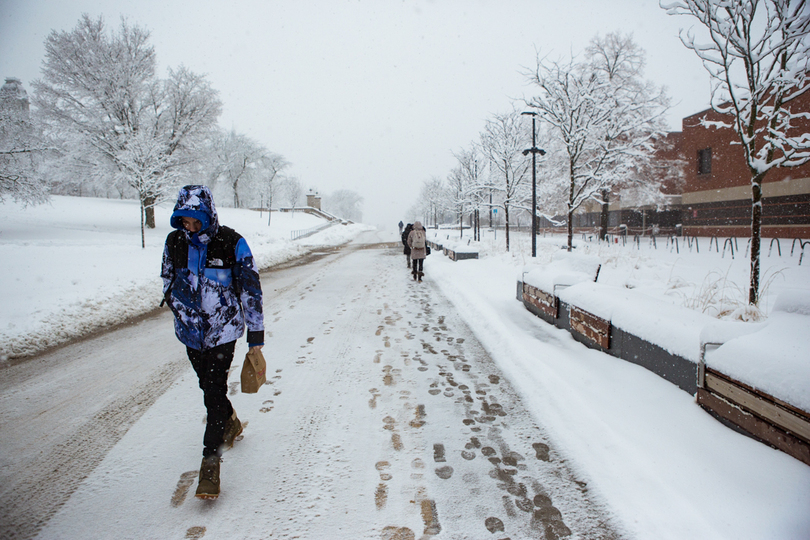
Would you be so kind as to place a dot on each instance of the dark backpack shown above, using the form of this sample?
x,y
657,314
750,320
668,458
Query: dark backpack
x,y
221,253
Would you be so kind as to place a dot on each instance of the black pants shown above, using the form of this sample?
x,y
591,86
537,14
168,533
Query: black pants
x,y
418,265
212,370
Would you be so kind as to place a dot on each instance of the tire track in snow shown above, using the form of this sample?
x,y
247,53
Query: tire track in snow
x,y
31,497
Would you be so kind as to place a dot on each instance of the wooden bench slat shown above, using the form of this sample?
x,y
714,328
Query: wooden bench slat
x,y
795,410
754,425
759,406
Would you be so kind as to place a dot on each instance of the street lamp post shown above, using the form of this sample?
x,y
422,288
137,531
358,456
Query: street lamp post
x,y
534,150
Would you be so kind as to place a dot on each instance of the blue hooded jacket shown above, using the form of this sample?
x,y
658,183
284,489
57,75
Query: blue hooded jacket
x,y
209,277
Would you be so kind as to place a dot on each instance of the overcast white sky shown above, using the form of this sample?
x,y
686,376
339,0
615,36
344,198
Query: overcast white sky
x,y
372,96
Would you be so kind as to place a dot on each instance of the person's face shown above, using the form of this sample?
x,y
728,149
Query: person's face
x,y
191,225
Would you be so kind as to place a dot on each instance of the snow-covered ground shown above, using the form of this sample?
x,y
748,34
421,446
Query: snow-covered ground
x,y
698,276
678,295
665,467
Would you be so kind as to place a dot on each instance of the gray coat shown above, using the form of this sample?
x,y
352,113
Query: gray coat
x,y
416,253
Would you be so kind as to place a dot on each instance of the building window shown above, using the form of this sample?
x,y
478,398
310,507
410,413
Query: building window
x,y
705,161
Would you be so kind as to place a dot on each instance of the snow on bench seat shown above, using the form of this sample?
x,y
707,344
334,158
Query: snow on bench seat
x,y
457,248
758,378
650,332
674,328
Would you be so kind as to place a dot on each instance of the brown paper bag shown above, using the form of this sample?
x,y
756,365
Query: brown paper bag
x,y
254,372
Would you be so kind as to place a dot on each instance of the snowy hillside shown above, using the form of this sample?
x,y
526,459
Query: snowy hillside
x,y
76,265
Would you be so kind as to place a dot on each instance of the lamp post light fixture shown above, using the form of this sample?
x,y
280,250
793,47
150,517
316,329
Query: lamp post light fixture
x,y
534,151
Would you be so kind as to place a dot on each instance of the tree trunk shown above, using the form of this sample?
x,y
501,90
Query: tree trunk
x,y
604,217
149,210
570,228
506,215
143,233
571,188
756,229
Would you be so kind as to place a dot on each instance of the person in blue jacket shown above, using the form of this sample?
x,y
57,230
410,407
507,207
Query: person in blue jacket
x,y
211,284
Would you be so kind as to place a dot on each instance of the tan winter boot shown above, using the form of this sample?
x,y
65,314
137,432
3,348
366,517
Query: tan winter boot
x,y
233,428
208,484
420,275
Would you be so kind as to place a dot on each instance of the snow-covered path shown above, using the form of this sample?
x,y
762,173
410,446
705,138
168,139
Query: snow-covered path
x,y
383,417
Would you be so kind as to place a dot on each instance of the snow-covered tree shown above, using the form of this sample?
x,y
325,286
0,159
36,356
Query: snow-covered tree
x,y
605,117
21,147
467,182
294,191
618,58
757,53
457,195
238,161
344,203
99,89
181,110
270,179
502,142
431,202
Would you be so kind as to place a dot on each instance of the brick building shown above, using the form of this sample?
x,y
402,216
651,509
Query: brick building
x,y
716,198
641,219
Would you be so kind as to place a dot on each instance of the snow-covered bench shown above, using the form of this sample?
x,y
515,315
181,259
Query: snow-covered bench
x,y
542,282
456,249
625,323
457,254
435,246
756,377
648,331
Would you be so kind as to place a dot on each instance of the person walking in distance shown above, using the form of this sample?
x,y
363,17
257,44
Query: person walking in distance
x,y
400,228
417,241
211,284
407,248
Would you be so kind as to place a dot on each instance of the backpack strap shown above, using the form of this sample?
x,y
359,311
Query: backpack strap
x,y
221,251
178,248
178,253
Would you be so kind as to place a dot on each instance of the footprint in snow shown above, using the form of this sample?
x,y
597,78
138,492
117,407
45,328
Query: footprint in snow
x,y
185,482
195,533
